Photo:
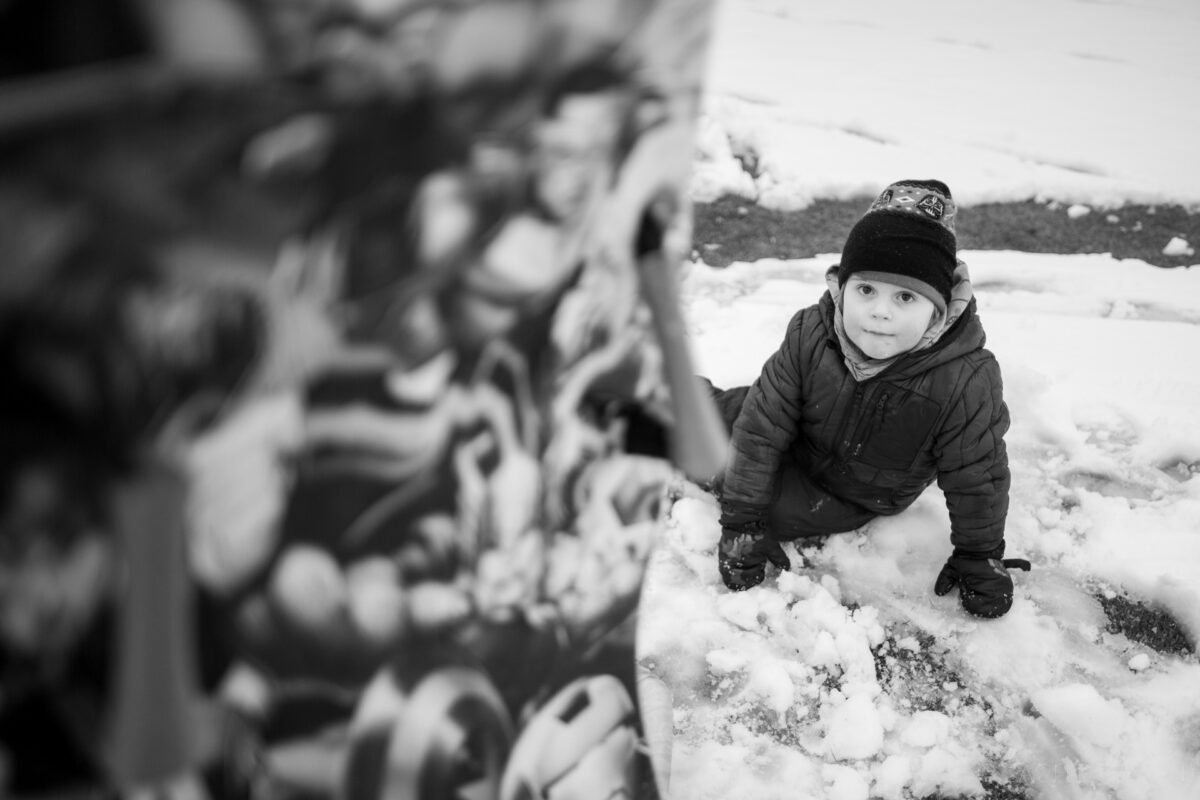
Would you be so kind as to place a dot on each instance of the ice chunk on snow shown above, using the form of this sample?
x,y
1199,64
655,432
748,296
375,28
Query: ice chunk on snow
x,y
1139,662
1178,246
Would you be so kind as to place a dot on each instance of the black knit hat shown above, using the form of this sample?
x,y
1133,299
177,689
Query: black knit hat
x,y
906,238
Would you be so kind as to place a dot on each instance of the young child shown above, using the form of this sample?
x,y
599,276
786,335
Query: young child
x,y
880,388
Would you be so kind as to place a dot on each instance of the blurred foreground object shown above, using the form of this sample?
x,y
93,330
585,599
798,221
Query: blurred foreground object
x,y
322,323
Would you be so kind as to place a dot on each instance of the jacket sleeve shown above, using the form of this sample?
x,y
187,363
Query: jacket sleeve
x,y
973,463
763,432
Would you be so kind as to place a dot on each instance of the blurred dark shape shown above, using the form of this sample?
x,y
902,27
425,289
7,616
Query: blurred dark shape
x,y
48,35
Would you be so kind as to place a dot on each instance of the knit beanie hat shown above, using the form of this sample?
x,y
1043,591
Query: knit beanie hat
x,y
906,238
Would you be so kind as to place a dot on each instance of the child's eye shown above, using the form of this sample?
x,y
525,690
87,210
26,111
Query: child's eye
x,y
865,289
906,297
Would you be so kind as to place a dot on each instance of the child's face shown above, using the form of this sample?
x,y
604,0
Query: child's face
x,y
884,319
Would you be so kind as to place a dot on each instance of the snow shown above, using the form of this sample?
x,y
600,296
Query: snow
x,y
1083,102
1139,662
847,677
1178,246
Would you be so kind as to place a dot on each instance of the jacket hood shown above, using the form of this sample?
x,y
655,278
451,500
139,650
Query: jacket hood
x,y
965,335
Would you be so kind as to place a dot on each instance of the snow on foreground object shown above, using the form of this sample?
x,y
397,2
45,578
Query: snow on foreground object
x,y
849,679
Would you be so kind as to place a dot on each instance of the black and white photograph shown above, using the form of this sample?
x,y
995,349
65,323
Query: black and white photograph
x,y
599,400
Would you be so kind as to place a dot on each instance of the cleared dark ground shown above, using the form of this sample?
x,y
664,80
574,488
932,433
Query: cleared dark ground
x,y
735,229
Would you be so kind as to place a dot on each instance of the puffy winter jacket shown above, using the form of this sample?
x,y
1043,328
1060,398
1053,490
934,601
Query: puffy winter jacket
x,y
937,413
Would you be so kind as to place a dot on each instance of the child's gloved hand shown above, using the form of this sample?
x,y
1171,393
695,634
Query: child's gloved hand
x,y
984,586
742,558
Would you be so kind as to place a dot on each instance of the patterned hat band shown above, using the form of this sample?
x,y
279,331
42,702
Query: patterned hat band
x,y
922,200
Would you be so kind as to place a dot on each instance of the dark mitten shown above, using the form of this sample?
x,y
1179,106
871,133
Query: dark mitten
x,y
742,558
984,586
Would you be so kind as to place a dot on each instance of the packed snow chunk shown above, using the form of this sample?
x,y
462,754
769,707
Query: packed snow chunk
x,y
867,618
946,772
891,776
758,610
709,770
726,662
1048,517
844,783
821,611
832,586
1078,210
1178,246
853,729
717,170
699,530
770,685
856,660
824,651
799,586
926,729
1139,662
1080,712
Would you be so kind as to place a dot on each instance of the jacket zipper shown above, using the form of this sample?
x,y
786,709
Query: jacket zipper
x,y
876,421
843,444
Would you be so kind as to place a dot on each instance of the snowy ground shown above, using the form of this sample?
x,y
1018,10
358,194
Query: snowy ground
x,y
777,692
848,678
1080,100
